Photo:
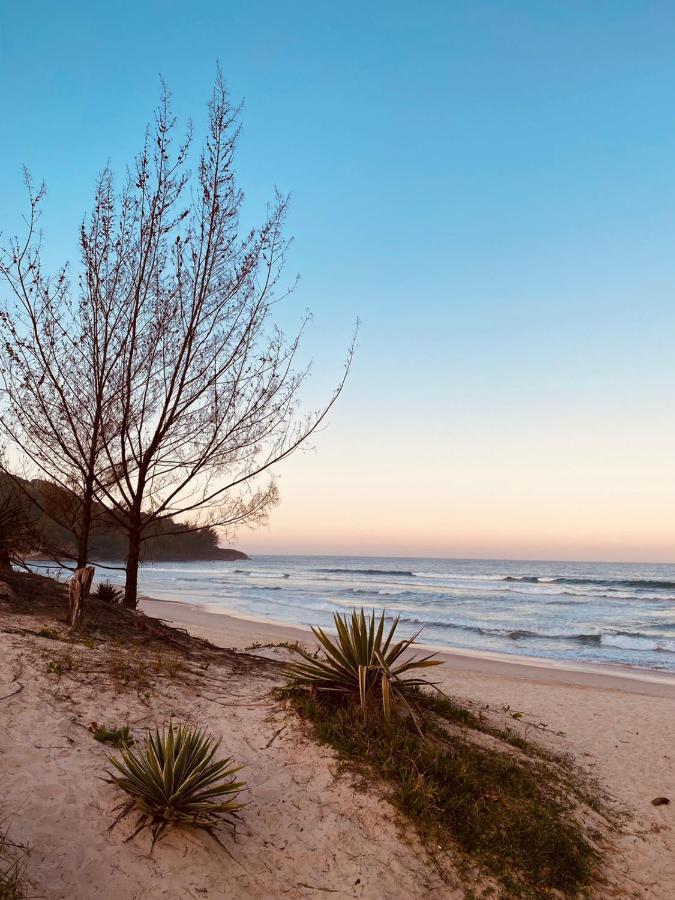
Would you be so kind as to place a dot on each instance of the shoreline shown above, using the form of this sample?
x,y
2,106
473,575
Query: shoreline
x,y
237,631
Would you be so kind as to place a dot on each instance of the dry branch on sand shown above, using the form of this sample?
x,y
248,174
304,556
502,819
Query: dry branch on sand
x,y
13,862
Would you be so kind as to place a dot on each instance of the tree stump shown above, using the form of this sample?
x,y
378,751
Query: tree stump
x,y
78,591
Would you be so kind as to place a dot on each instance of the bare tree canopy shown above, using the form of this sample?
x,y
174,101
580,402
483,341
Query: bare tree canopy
x,y
59,357
167,390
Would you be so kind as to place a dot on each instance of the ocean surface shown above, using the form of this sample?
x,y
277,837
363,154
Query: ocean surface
x,y
616,613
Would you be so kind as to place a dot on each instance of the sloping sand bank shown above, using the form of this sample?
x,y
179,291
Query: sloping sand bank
x,y
617,721
305,832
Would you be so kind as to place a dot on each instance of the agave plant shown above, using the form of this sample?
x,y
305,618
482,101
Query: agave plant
x,y
173,779
108,593
363,661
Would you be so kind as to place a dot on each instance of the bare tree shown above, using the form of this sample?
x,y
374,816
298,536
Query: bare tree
x,y
59,358
166,392
209,392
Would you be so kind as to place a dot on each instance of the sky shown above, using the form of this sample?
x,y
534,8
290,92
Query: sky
x,y
489,187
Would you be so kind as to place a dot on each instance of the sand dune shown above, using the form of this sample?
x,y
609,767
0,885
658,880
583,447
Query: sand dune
x,y
305,832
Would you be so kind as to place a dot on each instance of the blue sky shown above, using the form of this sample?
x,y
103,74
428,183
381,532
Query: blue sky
x,y
490,187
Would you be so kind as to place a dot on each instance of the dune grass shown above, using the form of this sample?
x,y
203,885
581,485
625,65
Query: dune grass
x,y
516,813
13,858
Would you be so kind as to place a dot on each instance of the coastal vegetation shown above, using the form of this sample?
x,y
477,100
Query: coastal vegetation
x,y
174,779
487,803
116,737
30,513
364,661
523,817
108,593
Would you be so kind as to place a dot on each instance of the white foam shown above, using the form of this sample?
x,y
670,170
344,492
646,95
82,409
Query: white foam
x,y
635,642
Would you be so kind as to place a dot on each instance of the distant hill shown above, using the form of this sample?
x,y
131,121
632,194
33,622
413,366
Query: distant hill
x,y
108,540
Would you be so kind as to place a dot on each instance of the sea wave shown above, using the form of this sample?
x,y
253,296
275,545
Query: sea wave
x,y
638,642
384,592
596,613
366,572
619,640
639,583
511,633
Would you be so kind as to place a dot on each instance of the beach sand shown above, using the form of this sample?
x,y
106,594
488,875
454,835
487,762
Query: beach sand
x,y
306,831
617,721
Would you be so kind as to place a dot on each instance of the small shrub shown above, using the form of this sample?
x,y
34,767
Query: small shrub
x,y
363,661
62,664
108,593
49,633
116,737
173,780
135,670
169,665
126,669
294,646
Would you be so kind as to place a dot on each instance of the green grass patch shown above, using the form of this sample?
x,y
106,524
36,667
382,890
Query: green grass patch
x,y
516,812
64,663
49,633
294,646
119,738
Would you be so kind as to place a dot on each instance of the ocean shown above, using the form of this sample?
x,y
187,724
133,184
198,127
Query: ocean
x,y
616,613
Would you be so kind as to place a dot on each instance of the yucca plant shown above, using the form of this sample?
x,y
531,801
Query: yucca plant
x,y
108,593
363,661
173,779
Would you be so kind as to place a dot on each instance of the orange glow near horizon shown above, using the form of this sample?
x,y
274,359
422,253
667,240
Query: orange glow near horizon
x,y
583,494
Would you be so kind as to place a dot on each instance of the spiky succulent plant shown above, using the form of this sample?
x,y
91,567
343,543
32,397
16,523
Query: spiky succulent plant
x,y
363,661
173,779
108,593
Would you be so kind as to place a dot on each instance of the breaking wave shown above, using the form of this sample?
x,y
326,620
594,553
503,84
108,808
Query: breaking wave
x,y
644,583
366,572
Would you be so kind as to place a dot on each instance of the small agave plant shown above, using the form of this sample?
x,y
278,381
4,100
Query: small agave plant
x,y
364,661
173,779
108,593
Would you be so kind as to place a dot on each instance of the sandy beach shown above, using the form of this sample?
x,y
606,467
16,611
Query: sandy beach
x,y
337,545
306,831
618,722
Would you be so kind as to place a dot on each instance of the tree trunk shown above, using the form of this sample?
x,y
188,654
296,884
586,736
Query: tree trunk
x,y
133,559
78,591
85,527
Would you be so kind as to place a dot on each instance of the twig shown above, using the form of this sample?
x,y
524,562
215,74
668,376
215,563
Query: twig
x,y
17,691
274,736
314,887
